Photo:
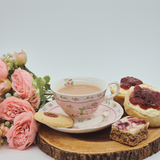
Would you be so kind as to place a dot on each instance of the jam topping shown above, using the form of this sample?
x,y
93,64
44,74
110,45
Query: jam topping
x,y
123,125
127,82
49,114
138,121
129,122
145,98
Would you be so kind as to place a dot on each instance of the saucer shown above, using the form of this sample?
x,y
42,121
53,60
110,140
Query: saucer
x,y
115,112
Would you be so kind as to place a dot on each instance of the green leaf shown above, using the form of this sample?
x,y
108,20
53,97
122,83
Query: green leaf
x,y
47,86
47,78
38,79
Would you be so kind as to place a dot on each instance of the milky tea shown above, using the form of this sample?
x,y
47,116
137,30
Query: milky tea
x,y
80,89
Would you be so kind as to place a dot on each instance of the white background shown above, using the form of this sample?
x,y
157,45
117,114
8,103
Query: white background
x,y
108,39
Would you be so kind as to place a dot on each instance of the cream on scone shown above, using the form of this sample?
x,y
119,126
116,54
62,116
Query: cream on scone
x,y
143,101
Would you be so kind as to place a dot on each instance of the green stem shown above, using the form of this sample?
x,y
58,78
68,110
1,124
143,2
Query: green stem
x,y
48,94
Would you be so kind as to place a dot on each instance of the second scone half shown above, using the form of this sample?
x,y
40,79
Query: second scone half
x,y
125,84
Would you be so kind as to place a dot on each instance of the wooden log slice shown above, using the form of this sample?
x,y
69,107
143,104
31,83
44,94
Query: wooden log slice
x,y
94,146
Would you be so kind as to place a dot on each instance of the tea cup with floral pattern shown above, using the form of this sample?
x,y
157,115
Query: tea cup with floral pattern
x,y
82,106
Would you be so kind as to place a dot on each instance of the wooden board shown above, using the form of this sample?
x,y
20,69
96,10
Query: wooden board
x,y
94,146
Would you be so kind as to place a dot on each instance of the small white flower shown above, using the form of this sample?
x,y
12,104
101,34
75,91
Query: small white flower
x,y
12,59
8,64
15,94
8,95
8,54
34,83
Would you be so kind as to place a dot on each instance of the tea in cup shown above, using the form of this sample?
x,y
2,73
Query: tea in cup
x,y
80,97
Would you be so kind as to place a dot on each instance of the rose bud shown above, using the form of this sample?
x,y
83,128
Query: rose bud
x,y
5,86
20,58
3,70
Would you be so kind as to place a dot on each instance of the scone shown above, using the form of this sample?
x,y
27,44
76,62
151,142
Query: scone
x,y
53,119
129,130
143,101
120,96
125,84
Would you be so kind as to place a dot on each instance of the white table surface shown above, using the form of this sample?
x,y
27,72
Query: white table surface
x,y
106,39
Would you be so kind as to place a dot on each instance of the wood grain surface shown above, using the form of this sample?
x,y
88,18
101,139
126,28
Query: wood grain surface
x,y
94,146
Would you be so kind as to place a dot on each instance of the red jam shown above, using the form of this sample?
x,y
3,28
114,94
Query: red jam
x,y
127,82
128,125
145,98
122,125
49,114
138,121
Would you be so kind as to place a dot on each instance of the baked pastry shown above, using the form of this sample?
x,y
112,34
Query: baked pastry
x,y
120,96
125,84
129,130
143,101
53,119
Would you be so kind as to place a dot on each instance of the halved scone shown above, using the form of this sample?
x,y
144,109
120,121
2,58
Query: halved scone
x,y
120,96
125,84
143,101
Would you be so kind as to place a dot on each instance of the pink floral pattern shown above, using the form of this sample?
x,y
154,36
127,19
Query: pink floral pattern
x,y
50,104
88,110
68,82
69,106
75,99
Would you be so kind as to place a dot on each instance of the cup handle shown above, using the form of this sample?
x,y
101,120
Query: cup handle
x,y
108,97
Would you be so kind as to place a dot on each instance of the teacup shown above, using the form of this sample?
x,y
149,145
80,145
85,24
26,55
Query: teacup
x,y
82,106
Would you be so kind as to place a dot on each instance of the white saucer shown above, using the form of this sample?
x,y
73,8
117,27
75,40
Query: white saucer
x,y
115,113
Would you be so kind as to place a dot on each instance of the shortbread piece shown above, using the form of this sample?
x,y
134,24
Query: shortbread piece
x,y
53,119
129,130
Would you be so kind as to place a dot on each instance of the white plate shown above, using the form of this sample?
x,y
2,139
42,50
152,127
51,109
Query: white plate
x,y
115,113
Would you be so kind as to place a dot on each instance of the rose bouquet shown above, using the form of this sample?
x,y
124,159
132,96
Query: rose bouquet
x,y
22,93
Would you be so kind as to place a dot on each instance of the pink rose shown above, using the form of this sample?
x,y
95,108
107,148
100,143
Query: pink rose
x,y
3,70
21,83
95,105
75,99
70,106
68,83
35,101
20,58
12,107
22,134
5,86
